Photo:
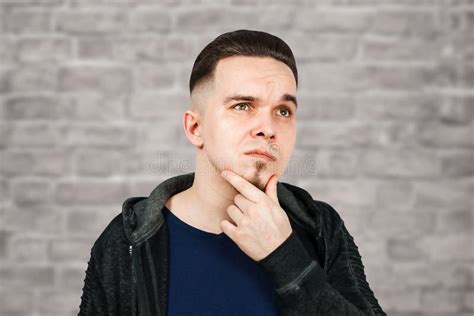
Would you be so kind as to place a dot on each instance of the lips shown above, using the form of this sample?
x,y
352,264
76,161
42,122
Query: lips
x,y
261,153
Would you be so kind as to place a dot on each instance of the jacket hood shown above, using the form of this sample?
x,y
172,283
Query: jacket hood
x,y
143,216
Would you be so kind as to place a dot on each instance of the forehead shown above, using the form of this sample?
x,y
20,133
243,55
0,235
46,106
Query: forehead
x,y
248,73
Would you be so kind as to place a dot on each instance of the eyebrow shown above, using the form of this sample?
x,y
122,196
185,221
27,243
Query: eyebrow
x,y
286,97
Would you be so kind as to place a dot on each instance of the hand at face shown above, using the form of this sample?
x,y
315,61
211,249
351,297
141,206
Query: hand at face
x,y
261,225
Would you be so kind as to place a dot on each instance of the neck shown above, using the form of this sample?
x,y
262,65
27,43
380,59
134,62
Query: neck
x,y
210,195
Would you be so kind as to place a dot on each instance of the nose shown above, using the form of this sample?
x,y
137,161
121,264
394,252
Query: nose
x,y
264,127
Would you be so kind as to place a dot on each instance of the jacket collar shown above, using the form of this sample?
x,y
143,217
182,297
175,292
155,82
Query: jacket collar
x,y
143,216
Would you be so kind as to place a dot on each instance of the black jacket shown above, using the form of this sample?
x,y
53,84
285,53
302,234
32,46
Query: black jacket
x,y
316,271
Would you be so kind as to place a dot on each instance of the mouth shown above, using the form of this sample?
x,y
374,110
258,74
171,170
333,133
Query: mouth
x,y
261,154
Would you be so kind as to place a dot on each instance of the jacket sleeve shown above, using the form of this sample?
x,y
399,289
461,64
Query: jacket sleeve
x,y
93,296
303,287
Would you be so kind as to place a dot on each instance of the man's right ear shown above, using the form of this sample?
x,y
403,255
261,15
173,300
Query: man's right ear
x,y
192,127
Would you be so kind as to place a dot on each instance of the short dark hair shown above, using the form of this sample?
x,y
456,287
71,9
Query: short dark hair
x,y
240,43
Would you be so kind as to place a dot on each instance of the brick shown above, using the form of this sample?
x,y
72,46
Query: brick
x,y
4,241
446,136
359,196
413,107
35,107
95,47
91,192
323,48
457,110
32,2
29,249
461,47
444,194
27,277
459,221
441,275
103,79
32,134
57,302
401,50
266,19
97,106
84,21
325,107
405,249
468,302
30,191
337,163
214,18
358,78
28,21
457,163
333,21
138,49
154,47
104,136
392,134
71,279
31,78
406,23
42,162
70,250
178,48
328,134
158,162
411,299
413,225
400,163
16,303
4,184
150,20
151,105
98,162
449,248
304,163
151,77
82,221
466,75
43,219
394,195
442,300
46,49
7,49
148,135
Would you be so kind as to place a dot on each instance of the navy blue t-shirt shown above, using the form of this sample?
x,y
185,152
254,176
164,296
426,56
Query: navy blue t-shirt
x,y
210,275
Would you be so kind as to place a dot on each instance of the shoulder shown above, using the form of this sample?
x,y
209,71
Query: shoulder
x,y
111,237
330,220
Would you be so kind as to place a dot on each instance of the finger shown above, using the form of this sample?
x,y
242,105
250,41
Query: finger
x,y
247,189
243,203
271,188
228,228
235,214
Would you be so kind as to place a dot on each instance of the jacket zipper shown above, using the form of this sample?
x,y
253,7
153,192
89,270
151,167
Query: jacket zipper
x,y
134,282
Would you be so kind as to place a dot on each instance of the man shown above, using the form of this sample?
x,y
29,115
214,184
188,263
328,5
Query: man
x,y
237,242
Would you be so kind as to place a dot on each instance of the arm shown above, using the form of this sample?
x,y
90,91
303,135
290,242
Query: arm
x,y
304,288
93,297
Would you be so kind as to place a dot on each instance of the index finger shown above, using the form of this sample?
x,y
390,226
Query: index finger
x,y
246,188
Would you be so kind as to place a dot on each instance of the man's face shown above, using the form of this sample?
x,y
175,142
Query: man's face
x,y
250,108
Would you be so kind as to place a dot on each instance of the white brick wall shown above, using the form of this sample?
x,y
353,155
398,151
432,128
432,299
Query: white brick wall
x,y
91,98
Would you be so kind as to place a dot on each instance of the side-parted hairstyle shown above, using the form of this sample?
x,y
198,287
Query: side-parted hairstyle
x,y
240,43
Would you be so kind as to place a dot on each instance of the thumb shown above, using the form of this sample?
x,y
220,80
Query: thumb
x,y
271,188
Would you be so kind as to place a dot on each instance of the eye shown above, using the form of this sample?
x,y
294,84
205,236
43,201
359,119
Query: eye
x,y
239,104
286,110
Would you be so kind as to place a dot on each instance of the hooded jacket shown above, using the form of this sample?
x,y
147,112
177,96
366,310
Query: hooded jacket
x,y
317,270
